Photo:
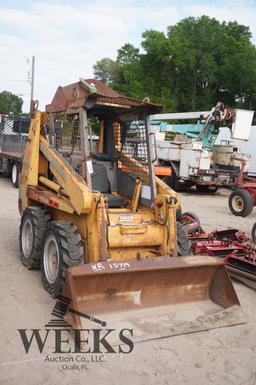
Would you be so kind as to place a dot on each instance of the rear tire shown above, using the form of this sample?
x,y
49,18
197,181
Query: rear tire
x,y
206,189
170,180
15,175
62,248
173,182
191,215
254,233
240,203
183,242
33,225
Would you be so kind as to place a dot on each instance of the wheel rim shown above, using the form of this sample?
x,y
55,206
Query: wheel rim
x,y
51,259
27,238
14,173
237,203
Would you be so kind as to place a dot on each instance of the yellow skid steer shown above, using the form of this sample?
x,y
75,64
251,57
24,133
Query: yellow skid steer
x,y
103,228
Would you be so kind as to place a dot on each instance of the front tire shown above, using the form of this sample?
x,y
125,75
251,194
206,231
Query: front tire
x,y
62,248
33,225
240,203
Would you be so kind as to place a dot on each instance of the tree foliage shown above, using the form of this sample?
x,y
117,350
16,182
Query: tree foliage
x,y
106,70
196,63
10,103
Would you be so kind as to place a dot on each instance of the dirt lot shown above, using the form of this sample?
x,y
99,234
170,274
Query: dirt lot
x,y
222,356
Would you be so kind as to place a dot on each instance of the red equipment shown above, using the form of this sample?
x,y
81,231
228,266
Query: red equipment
x,y
237,250
243,199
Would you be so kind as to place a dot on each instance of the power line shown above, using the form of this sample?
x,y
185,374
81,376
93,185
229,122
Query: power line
x,y
13,80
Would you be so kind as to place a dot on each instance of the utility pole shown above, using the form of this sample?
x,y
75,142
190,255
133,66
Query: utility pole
x,y
32,78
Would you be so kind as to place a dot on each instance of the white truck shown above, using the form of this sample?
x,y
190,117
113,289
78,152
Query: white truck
x,y
192,154
246,146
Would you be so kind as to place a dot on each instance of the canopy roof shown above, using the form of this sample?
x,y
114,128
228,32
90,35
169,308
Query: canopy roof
x,y
96,97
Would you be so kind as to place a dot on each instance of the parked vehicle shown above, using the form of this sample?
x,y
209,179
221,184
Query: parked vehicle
x,y
190,150
13,136
245,146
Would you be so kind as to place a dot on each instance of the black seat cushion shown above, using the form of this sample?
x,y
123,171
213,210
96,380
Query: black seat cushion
x,y
101,156
100,183
115,201
100,179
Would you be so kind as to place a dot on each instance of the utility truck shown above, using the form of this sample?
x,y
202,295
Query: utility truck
x,y
189,149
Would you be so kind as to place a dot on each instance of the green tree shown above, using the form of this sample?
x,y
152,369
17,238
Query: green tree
x,y
156,67
10,103
127,54
211,62
130,74
106,70
196,63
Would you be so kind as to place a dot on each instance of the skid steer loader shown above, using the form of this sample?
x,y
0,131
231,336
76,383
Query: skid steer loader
x,y
103,228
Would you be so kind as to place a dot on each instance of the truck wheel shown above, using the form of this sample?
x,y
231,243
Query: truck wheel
x,y
206,189
240,203
62,248
172,181
183,242
15,175
33,225
254,233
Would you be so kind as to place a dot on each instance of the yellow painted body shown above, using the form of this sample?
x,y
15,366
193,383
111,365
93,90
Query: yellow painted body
x,y
135,231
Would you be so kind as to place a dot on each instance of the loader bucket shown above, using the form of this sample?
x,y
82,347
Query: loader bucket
x,y
158,297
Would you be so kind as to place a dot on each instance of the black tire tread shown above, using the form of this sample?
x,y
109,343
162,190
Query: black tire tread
x,y
248,202
70,249
206,189
39,219
191,215
254,233
183,242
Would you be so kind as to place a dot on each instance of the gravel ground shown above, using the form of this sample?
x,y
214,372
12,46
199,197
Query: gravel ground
x,y
221,356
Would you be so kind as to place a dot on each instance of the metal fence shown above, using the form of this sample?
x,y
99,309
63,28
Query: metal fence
x,y
135,144
13,133
67,141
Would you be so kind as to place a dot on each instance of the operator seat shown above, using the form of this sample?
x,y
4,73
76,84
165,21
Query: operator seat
x,y
101,183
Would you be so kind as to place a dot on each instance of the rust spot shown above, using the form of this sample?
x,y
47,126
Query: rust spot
x,y
52,203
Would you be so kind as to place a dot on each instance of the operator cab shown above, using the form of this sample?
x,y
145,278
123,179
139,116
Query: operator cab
x,y
110,168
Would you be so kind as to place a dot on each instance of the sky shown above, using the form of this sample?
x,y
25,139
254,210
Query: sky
x,y
68,37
